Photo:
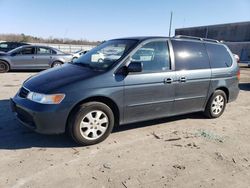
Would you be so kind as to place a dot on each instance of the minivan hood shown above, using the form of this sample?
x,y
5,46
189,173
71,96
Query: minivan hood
x,y
51,79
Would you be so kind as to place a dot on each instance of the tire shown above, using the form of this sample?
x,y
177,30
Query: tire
x,y
216,104
100,60
57,64
91,123
4,67
74,58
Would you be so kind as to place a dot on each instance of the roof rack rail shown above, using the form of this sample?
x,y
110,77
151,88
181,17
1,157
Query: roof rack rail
x,y
211,40
195,38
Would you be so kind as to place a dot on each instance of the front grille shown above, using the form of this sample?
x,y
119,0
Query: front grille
x,y
23,92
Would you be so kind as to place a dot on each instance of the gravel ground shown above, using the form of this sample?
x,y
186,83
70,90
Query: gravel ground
x,y
184,151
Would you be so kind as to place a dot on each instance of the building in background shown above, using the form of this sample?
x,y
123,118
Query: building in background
x,y
235,35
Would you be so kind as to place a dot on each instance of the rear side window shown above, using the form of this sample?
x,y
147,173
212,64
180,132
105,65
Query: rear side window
x,y
43,51
219,56
190,55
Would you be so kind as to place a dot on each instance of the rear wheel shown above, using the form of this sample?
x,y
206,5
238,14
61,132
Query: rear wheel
x,y
216,104
100,60
57,64
91,124
4,67
74,58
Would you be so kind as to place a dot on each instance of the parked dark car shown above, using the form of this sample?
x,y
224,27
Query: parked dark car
x,y
153,77
32,57
7,46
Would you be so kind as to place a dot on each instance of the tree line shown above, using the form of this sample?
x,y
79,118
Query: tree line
x,y
31,39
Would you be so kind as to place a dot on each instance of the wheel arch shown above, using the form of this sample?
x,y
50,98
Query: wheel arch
x,y
226,91
5,61
103,99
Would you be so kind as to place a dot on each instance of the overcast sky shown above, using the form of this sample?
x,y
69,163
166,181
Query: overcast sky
x,y
106,19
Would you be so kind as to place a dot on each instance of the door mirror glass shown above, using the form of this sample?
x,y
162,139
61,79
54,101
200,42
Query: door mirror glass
x,y
135,67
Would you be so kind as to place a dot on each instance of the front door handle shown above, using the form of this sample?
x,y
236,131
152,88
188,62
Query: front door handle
x,y
183,79
168,80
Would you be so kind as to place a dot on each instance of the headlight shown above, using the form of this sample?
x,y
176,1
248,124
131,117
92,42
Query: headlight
x,y
45,99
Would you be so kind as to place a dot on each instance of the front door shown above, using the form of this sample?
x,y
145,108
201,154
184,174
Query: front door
x,y
23,59
150,93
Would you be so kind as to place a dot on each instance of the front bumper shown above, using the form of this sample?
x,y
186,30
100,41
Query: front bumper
x,y
42,118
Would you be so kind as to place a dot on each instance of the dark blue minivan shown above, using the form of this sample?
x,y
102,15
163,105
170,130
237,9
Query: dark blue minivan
x,y
129,80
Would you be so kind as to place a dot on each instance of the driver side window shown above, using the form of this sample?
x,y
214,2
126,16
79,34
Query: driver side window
x,y
27,51
154,56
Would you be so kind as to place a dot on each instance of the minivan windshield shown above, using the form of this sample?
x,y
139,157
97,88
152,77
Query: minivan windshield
x,y
106,54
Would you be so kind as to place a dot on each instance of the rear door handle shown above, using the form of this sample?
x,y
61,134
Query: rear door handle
x,y
168,80
183,79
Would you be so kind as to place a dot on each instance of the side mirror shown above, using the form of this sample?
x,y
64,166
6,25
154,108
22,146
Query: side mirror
x,y
135,67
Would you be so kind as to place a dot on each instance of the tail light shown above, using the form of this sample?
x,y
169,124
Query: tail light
x,y
238,74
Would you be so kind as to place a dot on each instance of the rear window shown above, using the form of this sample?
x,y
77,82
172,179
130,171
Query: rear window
x,y
190,55
219,56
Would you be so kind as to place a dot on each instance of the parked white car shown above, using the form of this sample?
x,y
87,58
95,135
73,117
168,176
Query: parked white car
x,y
79,53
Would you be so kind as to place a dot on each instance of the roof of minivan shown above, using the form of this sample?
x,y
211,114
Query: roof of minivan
x,y
142,38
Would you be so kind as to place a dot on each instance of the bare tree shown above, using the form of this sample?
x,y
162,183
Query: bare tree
x,y
28,38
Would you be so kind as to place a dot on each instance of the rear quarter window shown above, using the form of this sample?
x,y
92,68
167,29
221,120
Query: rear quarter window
x,y
219,56
190,55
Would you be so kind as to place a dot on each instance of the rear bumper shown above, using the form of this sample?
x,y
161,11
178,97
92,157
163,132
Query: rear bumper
x,y
42,118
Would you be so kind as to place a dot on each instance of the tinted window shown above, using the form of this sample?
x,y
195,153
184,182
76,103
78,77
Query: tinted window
x,y
190,55
154,56
27,51
219,56
41,50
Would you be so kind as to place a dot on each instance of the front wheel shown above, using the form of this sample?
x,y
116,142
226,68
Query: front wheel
x,y
216,104
100,60
74,58
4,67
57,64
91,124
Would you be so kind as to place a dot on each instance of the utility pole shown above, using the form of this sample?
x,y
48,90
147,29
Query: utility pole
x,y
170,24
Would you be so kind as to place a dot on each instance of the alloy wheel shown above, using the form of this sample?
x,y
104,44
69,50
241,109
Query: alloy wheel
x,y
94,124
218,104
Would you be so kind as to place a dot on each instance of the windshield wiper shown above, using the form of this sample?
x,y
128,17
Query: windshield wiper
x,y
87,65
83,64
